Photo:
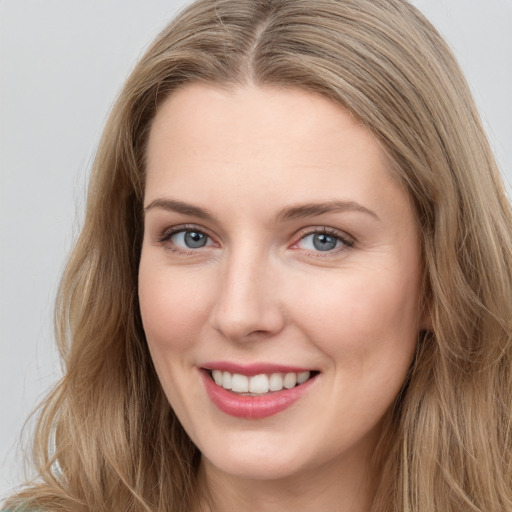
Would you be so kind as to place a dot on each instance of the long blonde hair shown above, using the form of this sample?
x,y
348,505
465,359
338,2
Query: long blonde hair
x,y
447,444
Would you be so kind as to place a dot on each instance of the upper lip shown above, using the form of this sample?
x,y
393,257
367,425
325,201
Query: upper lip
x,y
253,368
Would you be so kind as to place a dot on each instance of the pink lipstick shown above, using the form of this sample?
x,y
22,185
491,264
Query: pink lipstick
x,y
255,391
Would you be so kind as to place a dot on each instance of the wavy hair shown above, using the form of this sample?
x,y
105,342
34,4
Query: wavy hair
x,y
447,444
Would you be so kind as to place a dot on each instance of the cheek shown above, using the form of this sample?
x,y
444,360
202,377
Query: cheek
x,y
364,320
173,309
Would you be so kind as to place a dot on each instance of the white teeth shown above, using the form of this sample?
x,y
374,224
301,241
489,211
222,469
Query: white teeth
x,y
259,384
302,377
217,377
290,380
276,382
240,383
227,380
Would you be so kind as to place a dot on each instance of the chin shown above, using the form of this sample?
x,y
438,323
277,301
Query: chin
x,y
254,467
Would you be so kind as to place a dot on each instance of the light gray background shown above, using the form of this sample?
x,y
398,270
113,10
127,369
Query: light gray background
x,y
61,65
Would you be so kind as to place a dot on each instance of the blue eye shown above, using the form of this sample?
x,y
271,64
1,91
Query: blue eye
x,y
322,241
190,239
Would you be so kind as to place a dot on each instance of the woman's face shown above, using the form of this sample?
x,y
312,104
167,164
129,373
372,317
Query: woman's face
x,y
280,258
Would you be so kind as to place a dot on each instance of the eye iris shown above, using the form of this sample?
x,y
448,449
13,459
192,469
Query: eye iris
x,y
193,239
323,242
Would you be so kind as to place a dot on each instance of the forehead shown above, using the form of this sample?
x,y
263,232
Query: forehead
x,y
252,111
282,143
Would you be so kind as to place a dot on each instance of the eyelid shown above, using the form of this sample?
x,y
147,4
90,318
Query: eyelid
x,y
347,240
165,236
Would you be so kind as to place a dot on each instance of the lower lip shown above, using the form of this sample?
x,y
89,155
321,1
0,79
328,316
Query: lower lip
x,y
253,407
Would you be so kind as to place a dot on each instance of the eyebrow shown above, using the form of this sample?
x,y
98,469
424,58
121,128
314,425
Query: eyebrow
x,y
180,207
288,213
314,209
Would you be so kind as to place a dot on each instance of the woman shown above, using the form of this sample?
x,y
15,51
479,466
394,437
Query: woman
x,y
293,285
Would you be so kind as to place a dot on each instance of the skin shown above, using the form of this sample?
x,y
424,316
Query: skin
x,y
260,291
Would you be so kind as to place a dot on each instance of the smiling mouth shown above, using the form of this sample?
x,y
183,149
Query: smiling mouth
x,y
261,384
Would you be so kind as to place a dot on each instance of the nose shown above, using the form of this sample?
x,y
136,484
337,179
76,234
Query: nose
x,y
247,305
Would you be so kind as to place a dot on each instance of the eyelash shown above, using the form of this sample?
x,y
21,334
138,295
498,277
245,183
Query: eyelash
x,y
330,232
346,241
169,233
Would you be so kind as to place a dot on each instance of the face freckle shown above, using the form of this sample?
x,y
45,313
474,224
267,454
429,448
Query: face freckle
x,y
276,241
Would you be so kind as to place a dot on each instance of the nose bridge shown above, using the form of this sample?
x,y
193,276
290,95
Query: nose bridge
x,y
246,302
